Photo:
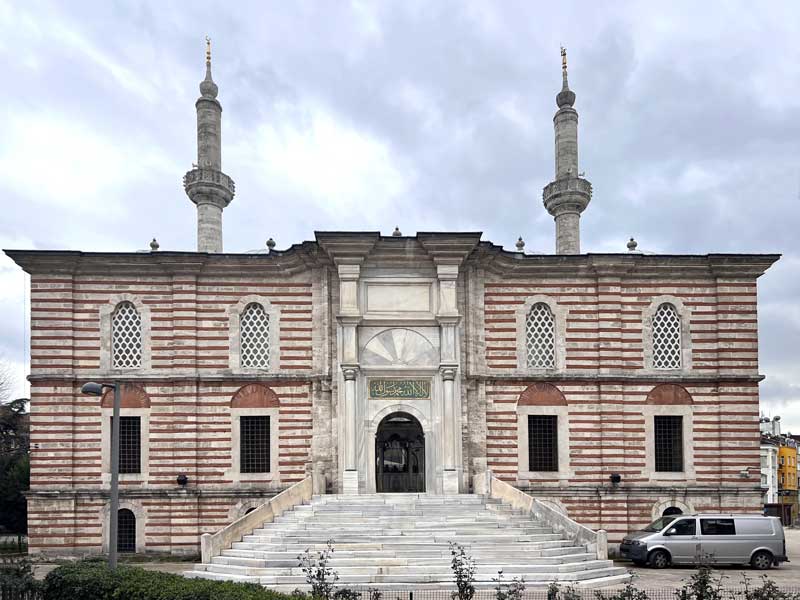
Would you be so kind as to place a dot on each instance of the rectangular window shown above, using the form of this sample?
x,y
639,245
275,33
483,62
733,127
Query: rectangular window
x,y
668,432
717,527
254,444
130,444
542,443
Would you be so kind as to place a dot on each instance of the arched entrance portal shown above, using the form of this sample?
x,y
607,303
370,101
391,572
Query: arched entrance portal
x,y
399,454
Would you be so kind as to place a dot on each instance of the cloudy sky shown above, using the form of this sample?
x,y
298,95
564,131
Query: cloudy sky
x,y
429,115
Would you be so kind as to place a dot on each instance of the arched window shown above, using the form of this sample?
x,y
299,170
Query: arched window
x,y
126,530
671,510
540,337
255,342
667,338
126,337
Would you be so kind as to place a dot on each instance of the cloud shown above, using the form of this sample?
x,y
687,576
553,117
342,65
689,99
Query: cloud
x,y
424,115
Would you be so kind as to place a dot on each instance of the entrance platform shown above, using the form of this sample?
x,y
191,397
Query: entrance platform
x,y
401,542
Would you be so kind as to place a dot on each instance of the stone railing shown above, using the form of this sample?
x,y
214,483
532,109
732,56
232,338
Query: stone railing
x,y
214,544
206,176
594,541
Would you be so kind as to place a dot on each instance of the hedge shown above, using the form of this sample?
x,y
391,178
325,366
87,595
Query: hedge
x,y
95,581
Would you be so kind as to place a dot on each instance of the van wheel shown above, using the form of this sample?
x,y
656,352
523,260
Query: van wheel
x,y
658,559
762,560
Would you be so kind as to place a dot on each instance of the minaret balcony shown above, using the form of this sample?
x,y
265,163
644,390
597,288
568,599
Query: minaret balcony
x,y
206,183
567,194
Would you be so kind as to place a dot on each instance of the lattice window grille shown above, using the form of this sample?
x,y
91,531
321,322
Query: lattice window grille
x,y
126,337
255,342
540,337
667,338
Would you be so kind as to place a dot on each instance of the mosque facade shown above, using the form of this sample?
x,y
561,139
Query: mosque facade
x,y
612,386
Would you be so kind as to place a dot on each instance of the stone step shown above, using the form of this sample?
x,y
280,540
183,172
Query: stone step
x,y
416,578
395,540
347,572
430,548
443,562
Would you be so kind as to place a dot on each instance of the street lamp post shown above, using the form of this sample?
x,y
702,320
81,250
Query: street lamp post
x,y
96,389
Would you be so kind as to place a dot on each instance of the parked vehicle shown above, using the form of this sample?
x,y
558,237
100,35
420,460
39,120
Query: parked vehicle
x,y
709,538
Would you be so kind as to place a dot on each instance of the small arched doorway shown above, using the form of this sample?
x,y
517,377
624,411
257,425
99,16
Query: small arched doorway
x,y
671,510
126,530
399,454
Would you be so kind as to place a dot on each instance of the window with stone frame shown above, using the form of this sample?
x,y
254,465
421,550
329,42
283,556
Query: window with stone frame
x,y
540,343
254,444
668,439
667,343
255,337
542,443
130,444
126,337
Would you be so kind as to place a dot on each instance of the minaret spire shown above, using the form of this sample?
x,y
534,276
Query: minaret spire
x,y
568,195
206,185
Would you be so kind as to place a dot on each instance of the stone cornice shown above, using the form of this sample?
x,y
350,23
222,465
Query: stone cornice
x,y
354,248
497,260
265,378
298,258
485,377
618,377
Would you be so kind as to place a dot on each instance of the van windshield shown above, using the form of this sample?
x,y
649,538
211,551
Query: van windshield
x,y
659,523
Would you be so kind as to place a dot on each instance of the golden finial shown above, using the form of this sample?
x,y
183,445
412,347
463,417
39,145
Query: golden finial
x,y
563,58
208,50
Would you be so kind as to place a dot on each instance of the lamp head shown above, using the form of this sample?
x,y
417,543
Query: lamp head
x,y
92,388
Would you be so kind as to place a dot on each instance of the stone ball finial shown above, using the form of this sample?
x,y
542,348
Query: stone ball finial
x,y
270,244
208,89
632,244
565,98
520,244
154,246
396,232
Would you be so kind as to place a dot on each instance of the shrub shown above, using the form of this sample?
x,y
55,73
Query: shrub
x,y
16,578
463,567
508,591
319,576
95,581
766,591
702,586
556,592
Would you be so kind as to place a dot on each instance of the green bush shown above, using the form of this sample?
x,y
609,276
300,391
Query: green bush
x,y
16,578
95,581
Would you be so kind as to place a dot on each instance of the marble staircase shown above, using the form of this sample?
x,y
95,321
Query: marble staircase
x,y
401,541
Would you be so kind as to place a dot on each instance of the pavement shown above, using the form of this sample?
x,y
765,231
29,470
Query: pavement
x,y
786,575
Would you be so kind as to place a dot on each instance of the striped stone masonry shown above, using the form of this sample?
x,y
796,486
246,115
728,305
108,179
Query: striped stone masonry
x,y
467,298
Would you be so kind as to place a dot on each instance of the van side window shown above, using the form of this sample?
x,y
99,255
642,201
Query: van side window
x,y
685,527
717,527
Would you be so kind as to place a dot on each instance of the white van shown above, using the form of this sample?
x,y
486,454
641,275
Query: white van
x,y
708,538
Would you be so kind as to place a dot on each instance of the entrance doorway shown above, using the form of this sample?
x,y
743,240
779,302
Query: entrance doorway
x,y
400,454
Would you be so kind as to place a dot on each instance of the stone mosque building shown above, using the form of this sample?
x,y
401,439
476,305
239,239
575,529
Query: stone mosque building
x,y
611,387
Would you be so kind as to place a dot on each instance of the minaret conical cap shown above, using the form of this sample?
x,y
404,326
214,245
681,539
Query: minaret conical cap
x,y
566,97
208,89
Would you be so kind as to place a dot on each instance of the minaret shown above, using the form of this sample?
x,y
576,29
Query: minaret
x,y
567,196
206,185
